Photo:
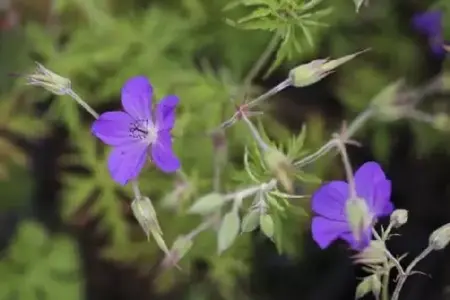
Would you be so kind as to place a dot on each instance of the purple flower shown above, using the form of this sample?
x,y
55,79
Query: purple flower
x,y
135,134
330,201
430,24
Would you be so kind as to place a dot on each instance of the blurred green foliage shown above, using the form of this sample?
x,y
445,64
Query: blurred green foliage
x,y
187,48
37,266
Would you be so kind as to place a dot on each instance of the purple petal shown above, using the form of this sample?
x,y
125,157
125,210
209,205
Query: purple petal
x,y
437,47
366,180
126,162
428,23
163,155
381,204
329,200
325,231
137,95
358,245
165,112
112,128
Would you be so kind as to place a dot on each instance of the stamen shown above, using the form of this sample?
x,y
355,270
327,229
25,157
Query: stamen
x,y
138,129
143,130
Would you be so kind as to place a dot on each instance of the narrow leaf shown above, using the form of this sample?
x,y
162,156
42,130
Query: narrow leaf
x,y
228,231
207,204
267,226
250,221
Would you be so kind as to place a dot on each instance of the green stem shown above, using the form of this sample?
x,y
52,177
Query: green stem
x,y
385,286
408,271
262,60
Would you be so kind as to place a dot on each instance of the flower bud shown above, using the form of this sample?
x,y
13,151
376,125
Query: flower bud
x,y
48,80
316,70
281,166
387,104
145,214
399,217
373,254
440,238
358,217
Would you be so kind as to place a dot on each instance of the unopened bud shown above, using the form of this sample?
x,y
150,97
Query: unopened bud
x,y
145,214
387,103
316,70
48,80
358,217
440,238
399,217
281,166
373,254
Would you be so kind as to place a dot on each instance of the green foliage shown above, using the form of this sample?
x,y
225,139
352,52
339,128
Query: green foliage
x,y
293,22
39,266
187,48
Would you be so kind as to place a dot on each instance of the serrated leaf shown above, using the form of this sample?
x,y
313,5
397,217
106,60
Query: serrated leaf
x,y
258,13
207,204
308,35
295,147
260,24
250,221
228,231
267,226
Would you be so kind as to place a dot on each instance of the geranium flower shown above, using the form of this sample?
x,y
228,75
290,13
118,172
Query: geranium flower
x,y
135,134
430,24
330,201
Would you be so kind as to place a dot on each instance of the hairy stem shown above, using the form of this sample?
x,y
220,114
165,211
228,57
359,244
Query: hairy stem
x,y
389,254
412,265
275,90
256,135
348,168
262,60
355,125
83,104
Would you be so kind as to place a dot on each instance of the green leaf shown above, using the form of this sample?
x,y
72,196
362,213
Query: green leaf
x,y
368,284
295,145
50,272
250,221
258,13
267,226
207,204
307,178
228,231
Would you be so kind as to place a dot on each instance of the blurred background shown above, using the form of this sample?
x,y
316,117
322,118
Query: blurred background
x,y
66,230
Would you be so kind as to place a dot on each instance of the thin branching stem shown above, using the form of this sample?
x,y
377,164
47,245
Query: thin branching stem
x,y
348,168
409,269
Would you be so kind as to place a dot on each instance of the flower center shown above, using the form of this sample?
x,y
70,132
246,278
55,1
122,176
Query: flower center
x,y
143,130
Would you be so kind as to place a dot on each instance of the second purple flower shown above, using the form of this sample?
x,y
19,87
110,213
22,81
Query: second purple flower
x,y
329,203
430,24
